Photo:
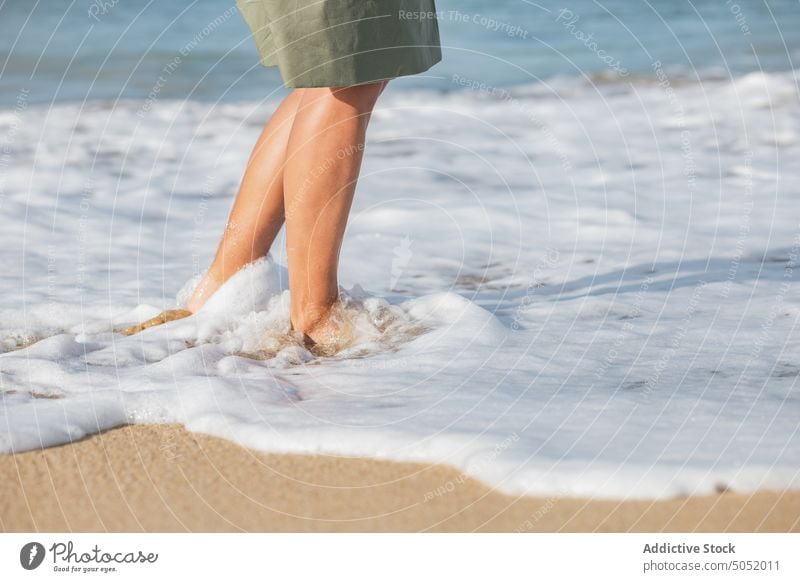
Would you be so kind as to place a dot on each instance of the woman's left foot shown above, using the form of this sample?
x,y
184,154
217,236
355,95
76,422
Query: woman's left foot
x,y
330,335
161,318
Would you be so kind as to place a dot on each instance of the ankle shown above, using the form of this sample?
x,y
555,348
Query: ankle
x,y
206,287
309,317
326,330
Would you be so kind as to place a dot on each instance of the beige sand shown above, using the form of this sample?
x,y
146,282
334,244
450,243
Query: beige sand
x,y
162,478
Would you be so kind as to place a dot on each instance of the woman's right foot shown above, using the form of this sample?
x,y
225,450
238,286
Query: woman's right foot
x,y
206,287
161,318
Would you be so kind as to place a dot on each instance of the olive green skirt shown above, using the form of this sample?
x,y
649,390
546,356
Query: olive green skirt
x,y
338,43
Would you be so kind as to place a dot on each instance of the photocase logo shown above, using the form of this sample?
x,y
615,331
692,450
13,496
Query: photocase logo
x,y
31,555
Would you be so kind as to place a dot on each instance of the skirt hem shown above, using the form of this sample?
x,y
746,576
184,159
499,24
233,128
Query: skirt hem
x,y
342,78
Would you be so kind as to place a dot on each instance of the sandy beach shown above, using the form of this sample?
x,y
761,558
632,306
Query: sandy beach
x,y
161,478
564,286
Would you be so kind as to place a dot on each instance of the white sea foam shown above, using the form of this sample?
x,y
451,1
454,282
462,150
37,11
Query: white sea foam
x,y
572,289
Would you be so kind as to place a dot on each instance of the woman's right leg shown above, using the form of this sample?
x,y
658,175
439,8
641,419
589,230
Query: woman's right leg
x,y
258,212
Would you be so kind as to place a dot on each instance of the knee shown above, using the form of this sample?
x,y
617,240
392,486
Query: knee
x,y
360,97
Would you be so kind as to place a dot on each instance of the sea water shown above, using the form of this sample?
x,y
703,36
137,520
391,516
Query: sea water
x,y
563,277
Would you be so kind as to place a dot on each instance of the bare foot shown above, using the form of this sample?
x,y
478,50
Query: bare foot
x,y
207,286
330,334
161,318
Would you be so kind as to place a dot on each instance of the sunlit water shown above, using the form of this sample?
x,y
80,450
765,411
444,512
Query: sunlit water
x,y
580,283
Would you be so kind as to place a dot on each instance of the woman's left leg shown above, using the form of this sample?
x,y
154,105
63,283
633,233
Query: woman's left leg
x,y
323,161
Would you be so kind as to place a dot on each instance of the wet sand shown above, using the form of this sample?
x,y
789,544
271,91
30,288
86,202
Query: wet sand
x,y
163,478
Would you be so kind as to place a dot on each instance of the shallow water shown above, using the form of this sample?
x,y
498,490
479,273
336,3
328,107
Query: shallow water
x,y
570,288
201,50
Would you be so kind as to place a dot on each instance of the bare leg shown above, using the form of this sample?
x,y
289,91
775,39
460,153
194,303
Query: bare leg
x,y
258,212
323,160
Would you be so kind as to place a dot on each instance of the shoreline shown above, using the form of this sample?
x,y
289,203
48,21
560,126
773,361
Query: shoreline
x,y
162,478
